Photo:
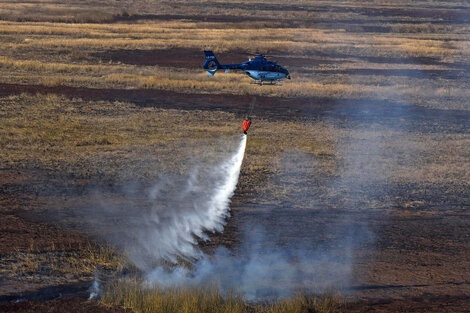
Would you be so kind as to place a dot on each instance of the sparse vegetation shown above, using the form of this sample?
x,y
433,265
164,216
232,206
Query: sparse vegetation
x,y
131,294
58,266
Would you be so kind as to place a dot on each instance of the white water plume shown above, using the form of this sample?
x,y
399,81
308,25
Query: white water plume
x,y
182,209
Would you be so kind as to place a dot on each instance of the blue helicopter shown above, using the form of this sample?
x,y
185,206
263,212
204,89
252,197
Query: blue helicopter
x,y
258,68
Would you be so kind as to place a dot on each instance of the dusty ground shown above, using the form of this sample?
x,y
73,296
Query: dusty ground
x,y
396,168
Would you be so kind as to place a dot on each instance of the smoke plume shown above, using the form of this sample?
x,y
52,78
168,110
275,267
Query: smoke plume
x,y
291,241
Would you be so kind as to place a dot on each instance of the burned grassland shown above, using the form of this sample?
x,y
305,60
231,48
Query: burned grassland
x,y
363,157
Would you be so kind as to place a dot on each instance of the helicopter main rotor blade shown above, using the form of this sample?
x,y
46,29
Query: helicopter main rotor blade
x,y
261,54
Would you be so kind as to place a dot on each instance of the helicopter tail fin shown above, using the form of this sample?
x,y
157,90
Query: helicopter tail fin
x,y
211,65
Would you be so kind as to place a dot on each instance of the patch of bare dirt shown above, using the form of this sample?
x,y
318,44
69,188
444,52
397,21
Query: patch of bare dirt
x,y
20,230
60,305
419,304
194,58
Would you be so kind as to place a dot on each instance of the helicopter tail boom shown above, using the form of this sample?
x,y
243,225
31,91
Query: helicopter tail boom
x,y
212,65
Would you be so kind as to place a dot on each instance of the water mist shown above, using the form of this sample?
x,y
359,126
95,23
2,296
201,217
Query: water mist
x,y
165,221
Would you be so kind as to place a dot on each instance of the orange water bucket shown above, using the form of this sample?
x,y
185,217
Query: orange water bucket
x,y
246,125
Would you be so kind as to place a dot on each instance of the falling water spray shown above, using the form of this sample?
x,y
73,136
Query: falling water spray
x,y
218,203
165,221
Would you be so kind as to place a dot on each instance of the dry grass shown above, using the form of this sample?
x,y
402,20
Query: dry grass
x,y
106,10
59,267
56,53
61,134
131,294
204,35
58,12
191,81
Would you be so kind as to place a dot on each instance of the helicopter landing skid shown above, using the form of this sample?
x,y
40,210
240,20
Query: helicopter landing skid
x,y
266,83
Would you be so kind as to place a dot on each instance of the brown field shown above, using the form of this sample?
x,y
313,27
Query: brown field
x,y
373,128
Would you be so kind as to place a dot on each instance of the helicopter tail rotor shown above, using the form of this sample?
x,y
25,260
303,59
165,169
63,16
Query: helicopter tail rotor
x,y
211,65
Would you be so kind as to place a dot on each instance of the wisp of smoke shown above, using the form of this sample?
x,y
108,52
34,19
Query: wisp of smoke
x,y
282,250
95,287
259,272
